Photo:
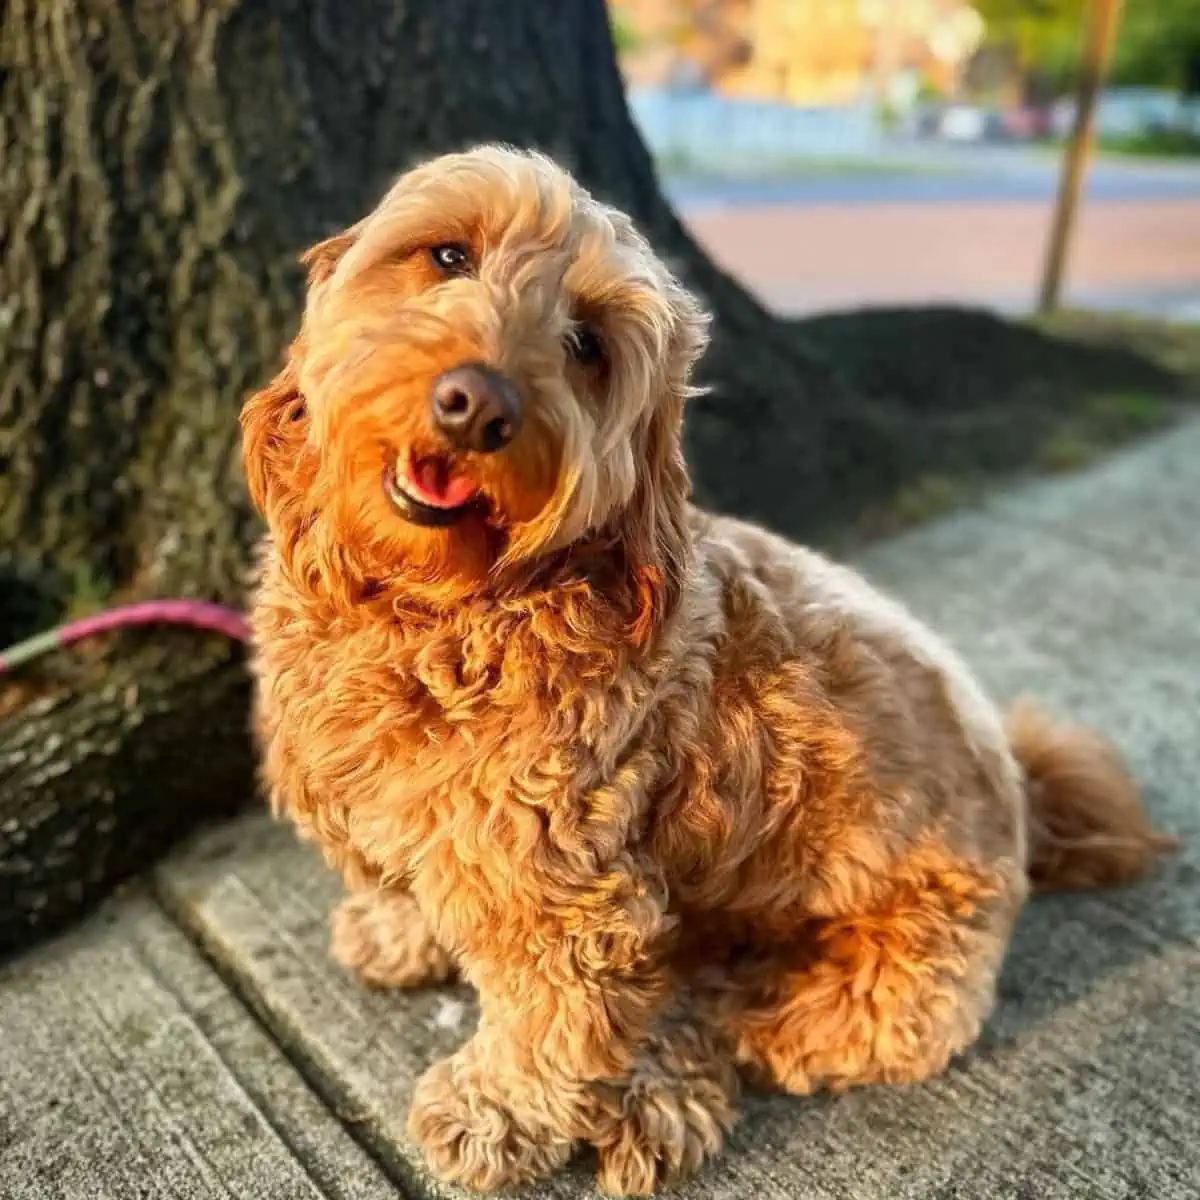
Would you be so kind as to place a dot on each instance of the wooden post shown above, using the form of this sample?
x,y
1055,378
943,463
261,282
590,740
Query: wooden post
x,y
1101,36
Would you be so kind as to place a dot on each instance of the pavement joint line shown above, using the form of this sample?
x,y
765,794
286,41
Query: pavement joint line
x,y
320,1077
229,1062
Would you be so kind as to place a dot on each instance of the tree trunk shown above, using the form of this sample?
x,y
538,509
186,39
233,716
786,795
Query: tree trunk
x,y
163,165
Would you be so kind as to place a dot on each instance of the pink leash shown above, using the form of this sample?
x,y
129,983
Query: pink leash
x,y
197,614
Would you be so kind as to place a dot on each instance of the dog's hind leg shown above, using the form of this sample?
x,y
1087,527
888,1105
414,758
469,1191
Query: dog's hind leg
x,y
888,997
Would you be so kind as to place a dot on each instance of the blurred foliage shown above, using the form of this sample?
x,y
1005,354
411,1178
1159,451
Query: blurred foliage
x,y
1046,34
1160,45
626,39
1158,143
1158,41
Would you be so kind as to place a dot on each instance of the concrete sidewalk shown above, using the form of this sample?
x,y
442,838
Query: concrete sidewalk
x,y
130,1067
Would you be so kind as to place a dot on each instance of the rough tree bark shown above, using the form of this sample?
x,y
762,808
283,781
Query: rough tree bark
x,y
163,164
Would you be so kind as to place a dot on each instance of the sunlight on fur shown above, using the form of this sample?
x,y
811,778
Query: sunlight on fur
x,y
688,805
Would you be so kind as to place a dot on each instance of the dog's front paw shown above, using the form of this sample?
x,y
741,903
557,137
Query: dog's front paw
x,y
471,1139
382,937
665,1135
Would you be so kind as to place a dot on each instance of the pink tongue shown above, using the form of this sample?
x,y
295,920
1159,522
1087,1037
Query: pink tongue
x,y
432,484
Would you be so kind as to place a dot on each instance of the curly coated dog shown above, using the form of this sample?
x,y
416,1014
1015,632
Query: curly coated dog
x,y
687,805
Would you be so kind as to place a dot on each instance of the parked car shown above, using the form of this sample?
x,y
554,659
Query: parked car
x,y
964,123
1126,113
1189,116
923,120
1025,123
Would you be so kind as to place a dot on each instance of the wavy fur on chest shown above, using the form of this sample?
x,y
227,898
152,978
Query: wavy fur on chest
x,y
767,758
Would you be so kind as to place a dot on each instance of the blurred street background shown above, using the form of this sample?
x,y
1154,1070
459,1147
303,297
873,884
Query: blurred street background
x,y
836,154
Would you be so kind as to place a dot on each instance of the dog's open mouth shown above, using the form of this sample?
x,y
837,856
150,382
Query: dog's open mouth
x,y
429,490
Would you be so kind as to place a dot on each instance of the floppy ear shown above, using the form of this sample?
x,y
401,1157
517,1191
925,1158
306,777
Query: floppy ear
x,y
656,536
323,258
274,443
276,456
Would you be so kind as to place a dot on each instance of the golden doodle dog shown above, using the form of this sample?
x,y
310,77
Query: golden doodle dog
x,y
685,803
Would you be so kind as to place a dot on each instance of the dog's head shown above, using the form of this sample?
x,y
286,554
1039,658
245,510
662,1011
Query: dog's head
x,y
490,374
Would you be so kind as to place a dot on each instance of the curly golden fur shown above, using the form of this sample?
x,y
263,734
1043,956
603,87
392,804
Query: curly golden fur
x,y
684,802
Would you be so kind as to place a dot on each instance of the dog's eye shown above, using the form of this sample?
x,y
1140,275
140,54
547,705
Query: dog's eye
x,y
451,258
584,346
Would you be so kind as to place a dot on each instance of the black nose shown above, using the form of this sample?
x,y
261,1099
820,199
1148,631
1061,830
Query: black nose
x,y
476,408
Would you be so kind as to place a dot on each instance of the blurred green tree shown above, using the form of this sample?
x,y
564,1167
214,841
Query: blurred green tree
x,y
1159,45
626,38
1045,35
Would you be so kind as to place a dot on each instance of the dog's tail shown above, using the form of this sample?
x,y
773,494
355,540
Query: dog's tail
x,y
1087,826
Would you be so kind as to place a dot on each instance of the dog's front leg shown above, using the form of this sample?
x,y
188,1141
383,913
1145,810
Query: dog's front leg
x,y
569,995
381,935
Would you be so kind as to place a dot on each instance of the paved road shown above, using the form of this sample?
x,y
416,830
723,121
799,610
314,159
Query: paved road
x,y
971,232
864,187
940,174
